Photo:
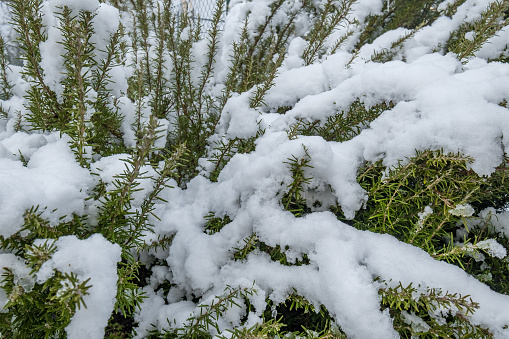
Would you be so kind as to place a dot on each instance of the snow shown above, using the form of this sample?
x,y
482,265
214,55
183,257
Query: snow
x,y
51,51
364,8
500,221
96,259
336,251
430,37
76,5
105,23
184,35
241,119
295,51
439,103
21,273
436,107
416,322
495,45
464,210
52,180
287,91
382,43
493,248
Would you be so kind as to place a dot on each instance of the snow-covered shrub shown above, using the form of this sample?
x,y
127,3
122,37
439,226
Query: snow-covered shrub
x,y
328,168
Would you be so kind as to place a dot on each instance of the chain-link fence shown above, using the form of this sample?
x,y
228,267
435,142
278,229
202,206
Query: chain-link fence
x,y
9,35
202,9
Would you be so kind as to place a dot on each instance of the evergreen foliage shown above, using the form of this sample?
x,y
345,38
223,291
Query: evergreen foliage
x,y
429,200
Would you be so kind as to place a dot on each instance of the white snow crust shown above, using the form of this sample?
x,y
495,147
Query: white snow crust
x,y
440,103
96,259
52,180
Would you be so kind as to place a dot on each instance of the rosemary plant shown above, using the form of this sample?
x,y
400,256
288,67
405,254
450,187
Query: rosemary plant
x,y
161,90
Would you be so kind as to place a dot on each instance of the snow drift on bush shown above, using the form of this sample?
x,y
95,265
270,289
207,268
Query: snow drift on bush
x,y
439,103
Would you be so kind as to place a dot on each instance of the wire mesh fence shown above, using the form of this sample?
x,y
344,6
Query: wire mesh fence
x,y
196,9
200,9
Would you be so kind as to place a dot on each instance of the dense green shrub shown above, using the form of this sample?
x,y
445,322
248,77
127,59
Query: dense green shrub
x,y
187,133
